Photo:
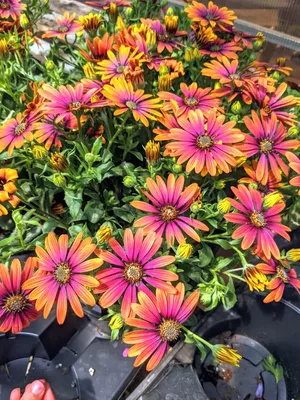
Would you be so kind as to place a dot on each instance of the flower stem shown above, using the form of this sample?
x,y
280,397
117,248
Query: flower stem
x,y
242,257
234,276
196,337
117,132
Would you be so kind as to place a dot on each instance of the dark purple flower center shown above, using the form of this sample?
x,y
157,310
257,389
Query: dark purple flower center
x,y
204,142
2,183
210,16
63,29
5,6
258,219
131,105
266,146
282,274
163,38
190,101
215,47
15,304
133,272
169,213
62,273
169,330
19,129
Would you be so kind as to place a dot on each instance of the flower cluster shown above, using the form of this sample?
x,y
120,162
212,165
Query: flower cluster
x,y
144,143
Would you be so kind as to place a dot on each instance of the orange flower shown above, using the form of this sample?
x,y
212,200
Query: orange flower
x,y
8,187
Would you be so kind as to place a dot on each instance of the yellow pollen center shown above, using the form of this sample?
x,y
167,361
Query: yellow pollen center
x,y
258,219
5,6
266,146
169,213
204,141
19,129
281,273
191,101
169,330
62,273
15,304
133,272
75,105
63,29
131,105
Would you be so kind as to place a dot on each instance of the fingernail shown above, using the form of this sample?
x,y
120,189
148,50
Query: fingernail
x,y
37,387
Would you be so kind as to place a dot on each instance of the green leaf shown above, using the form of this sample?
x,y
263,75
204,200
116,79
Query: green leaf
x,y
213,222
270,364
74,201
223,243
229,298
124,213
205,255
93,212
114,334
202,350
7,241
97,146
223,262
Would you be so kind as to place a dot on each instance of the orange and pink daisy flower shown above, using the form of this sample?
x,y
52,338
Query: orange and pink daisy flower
x,y
294,163
159,323
16,310
168,203
62,276
192,98
11,8
50,128
220,48
169,121
283,276
212,15
133,267
268,142
98,48
164,39
66,25
258,225
8,188
67,100
205,144
115,65
122,95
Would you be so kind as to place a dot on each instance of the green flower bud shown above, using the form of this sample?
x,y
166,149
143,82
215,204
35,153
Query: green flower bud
x,y
177,168
184,250
128,12
293,131
49,64
24,21
170,11
276,75
59,180
220,184
129,181
195,208
234,118
104,234
257,44
116,322
224,206
90,158
252,57
236,107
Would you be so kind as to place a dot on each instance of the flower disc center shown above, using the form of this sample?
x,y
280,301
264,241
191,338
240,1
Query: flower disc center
x,y
191,101
131,105
235,76
266,146
258,219
215,47
169,213
282,274
63,29
210,16
5,6
120,69
267,109
19,129
75,105
62,273
169,330
133,272
204,141
15,304
2,183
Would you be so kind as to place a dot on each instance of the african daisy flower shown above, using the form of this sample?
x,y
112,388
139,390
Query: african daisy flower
x,y
133,268
159,323
271,185
51,127
121,93
282,276
168,121
11,8
167,205
274,103
15,130
105,4
61,275
115,65
219,48
294,163
267,140
98,48
207,145
16,310
66,25
164,39
192,98
8,177
257,224
67,100
211,15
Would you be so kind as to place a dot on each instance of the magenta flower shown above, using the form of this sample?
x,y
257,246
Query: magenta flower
x,y
11,8
257,224
267,141
294,163
168,204
132,269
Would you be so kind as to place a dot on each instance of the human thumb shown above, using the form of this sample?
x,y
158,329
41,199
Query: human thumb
x,y
35,391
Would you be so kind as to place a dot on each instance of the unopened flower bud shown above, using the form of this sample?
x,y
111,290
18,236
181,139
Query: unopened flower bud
x,y
234,118
293,255
240,161
90,158
151,37
120,23
39,152
253,185
59,180
252,57
184,250
293,131
129,181
236,107
281,61
24,21
220,184
128,12
49,64
104,234
257,44
255,279
113,11
195,208
188,54
196,53
116,322
59,162
164,82
217,85
276,75
170,11
272,198
163,70
171,22
177,168
152,150
224,206
4,49
226,355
